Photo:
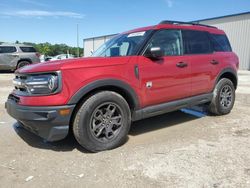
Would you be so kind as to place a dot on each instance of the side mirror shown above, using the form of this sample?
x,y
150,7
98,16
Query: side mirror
x,y
155,53
115,52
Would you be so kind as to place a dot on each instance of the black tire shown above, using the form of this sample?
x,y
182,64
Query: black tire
x,y
222,103
92,131
22,64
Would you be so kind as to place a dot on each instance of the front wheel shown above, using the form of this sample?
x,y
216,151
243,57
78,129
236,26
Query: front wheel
x,y
102,122
223,98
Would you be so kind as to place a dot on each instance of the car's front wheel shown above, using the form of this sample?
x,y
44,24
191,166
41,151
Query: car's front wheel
x,y
102,122
223,97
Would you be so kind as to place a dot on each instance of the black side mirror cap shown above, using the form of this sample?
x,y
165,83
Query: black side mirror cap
x,y
154,53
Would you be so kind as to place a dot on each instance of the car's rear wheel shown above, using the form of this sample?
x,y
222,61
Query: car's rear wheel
x,y
102,122
223,98
22,64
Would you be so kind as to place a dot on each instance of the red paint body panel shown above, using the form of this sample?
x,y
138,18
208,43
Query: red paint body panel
x,y
169,82
80,72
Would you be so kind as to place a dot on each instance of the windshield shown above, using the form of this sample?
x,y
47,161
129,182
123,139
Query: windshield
x,y
122,45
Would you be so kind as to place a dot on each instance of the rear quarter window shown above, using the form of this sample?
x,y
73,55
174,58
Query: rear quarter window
x,y
220,43
7,49
27,49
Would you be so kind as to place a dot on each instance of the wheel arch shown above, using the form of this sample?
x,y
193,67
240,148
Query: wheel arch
x,y
110,85
23,59
229,73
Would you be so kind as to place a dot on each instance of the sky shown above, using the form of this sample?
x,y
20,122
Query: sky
x,y
56,21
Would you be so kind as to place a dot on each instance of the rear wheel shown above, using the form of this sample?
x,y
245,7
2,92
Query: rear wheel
x,y
102,122
223,98
22,64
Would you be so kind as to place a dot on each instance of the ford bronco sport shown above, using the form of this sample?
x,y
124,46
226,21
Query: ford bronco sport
x,y
137,74
15,56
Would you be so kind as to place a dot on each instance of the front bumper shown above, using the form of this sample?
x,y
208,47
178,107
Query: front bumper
x,y
46,122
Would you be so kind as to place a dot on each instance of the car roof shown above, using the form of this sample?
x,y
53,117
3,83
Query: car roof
x,y
190,27
16,45
184,26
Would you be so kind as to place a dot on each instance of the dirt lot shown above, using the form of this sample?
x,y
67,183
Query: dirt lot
x,y
172,150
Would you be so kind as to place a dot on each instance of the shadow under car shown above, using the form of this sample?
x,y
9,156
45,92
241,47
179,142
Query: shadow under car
x,y
137,128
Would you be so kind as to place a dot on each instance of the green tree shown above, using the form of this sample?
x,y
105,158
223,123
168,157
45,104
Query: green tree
x,y
54,49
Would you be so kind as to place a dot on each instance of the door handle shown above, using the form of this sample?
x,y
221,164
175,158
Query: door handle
x,y
181,64
214,62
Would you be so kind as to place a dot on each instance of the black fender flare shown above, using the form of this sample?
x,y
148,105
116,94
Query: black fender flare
x,y
227,70
24,59
106,83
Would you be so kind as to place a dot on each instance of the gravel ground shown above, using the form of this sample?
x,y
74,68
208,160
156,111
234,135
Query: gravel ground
x,y
172,150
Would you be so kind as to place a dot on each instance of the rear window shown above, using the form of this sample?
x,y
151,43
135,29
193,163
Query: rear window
x,y
7,49
28,49
196,42
220,43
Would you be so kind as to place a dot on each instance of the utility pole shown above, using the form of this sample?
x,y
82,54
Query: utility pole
x,y
77,33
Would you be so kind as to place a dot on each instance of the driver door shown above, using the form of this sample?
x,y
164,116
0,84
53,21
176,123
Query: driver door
x,y
169,77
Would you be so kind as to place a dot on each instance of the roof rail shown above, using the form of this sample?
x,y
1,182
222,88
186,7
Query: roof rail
x,y
186,23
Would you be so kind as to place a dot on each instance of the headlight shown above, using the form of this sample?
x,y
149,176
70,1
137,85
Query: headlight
x,y
39,84
43,84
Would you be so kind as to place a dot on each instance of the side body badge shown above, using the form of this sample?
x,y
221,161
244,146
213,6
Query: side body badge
x,y
149,84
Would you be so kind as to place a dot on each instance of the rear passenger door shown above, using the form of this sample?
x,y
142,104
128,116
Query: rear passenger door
x,y
31,53
222,52
199,55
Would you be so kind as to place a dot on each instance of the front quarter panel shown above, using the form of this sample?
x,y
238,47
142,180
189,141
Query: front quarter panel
x,y
119,69
77,75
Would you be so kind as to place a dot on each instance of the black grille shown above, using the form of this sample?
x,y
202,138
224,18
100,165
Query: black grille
x,y
21,79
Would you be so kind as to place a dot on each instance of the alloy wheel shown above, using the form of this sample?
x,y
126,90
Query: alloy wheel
x,y
106,122
226,96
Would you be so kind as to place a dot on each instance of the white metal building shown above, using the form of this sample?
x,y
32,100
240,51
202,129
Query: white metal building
x,y
92,44
236,26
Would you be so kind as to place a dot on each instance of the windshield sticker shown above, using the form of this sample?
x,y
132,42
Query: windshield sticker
x,y
137,34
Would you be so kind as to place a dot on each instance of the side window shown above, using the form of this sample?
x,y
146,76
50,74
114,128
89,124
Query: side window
x,y
28,49
169,41
220,43
196,42
118,49
7,49
124,48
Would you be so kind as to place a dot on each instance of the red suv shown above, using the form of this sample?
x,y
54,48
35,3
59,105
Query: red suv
x,y
137,74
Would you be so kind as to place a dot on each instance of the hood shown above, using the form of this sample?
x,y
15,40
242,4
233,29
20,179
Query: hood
x,y
50,66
